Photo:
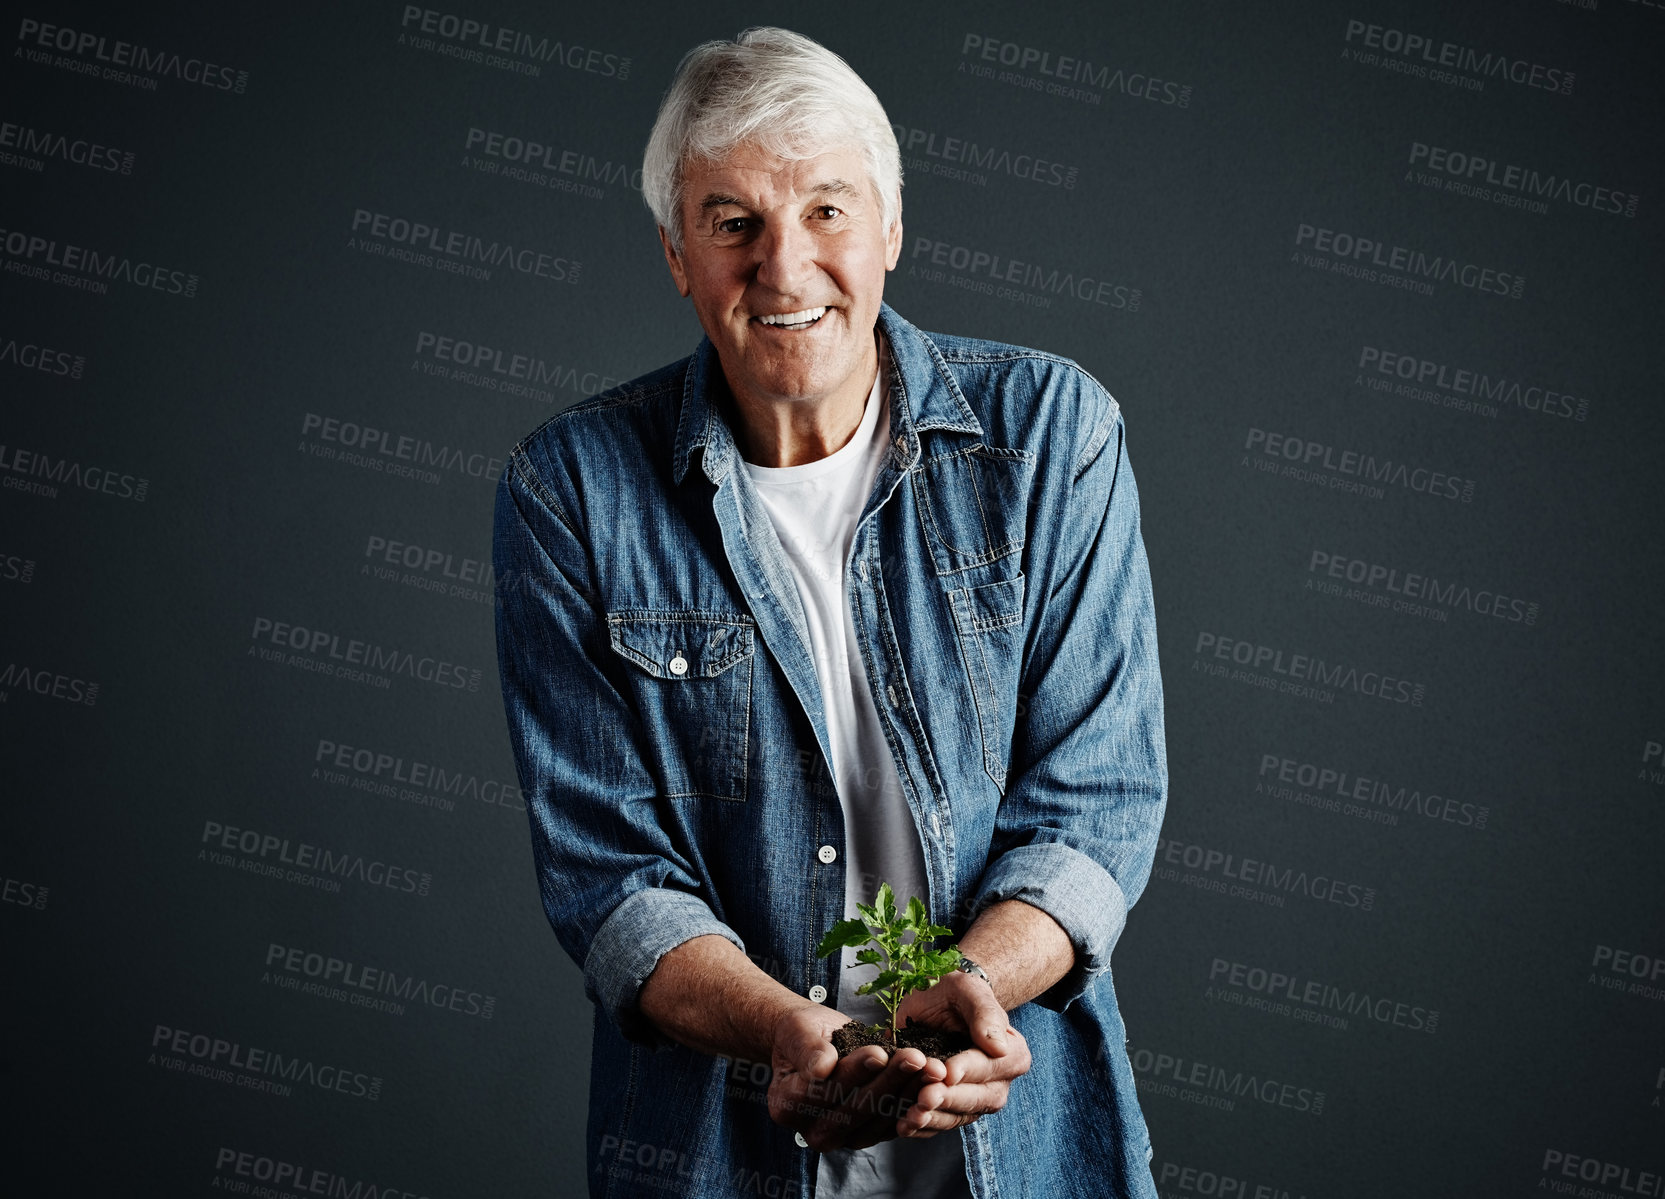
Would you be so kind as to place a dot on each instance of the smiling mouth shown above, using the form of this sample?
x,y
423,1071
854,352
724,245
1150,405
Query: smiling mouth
x,y
803,319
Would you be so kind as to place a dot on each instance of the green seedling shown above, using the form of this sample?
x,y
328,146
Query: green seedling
x,y
905,965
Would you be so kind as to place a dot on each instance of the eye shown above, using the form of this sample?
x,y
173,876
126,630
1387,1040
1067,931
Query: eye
x,y
828,211
734,224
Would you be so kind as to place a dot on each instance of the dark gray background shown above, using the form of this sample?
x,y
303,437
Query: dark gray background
x,y
1549,726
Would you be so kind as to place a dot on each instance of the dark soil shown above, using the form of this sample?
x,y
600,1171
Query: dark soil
x,y
940,1043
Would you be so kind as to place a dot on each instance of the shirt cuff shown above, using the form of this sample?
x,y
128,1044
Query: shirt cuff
x,y
628,945
1082,896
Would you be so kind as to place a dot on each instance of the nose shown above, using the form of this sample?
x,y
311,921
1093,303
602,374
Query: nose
x,y
785,258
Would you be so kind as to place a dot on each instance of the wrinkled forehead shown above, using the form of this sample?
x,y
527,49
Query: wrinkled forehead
x,y
756,168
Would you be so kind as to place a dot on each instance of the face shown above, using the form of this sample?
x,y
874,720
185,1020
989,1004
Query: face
x,y
765,239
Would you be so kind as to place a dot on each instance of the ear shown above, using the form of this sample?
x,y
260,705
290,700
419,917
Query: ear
x,y
674,261
893,244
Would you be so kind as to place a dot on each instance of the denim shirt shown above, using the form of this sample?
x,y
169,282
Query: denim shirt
x,y
670,738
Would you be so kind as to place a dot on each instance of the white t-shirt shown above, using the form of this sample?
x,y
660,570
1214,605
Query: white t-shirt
x,y
814,508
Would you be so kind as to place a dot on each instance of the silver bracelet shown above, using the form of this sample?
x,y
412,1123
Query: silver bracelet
x,y
971,967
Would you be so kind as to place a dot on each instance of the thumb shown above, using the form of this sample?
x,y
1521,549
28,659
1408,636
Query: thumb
x,y
985,1018
816,1058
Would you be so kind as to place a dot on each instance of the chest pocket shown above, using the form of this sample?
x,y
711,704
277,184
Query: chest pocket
x,y
692,678
988,621
974,504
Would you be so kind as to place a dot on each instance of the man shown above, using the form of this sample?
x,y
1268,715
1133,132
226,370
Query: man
x,y
832,602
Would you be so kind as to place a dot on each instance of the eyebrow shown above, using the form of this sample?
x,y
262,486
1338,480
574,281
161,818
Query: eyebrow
x,y
828,187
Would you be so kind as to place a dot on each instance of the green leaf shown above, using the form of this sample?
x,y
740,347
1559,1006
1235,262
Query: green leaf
x,y
846,934
887,905
904,953
888,978
941,961
918,918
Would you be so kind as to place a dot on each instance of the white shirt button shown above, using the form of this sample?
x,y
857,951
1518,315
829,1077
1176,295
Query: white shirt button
x,y
679,665
799,1137
826,853
817,993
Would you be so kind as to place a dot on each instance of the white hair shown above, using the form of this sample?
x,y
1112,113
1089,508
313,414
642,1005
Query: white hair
x,y
790,96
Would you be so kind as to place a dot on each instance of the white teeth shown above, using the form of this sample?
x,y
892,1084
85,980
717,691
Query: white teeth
x,y
794,319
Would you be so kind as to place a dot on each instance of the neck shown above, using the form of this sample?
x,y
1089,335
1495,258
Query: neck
x,y
791,433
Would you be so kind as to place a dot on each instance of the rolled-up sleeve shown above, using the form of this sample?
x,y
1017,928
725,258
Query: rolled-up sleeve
x,y
1075,833
616,890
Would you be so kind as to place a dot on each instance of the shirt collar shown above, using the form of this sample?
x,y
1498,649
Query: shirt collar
x,y
929,399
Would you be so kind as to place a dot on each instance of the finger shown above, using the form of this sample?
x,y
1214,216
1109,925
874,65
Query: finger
x,y
809,1051
876,1108
862,1101
975,1097
972,1065
811,1104
936,1123
984,1017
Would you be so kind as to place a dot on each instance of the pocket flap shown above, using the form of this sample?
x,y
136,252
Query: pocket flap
x,y
680,645
989,605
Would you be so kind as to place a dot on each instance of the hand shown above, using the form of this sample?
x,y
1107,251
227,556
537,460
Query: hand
x,y
976,1080
841,1104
